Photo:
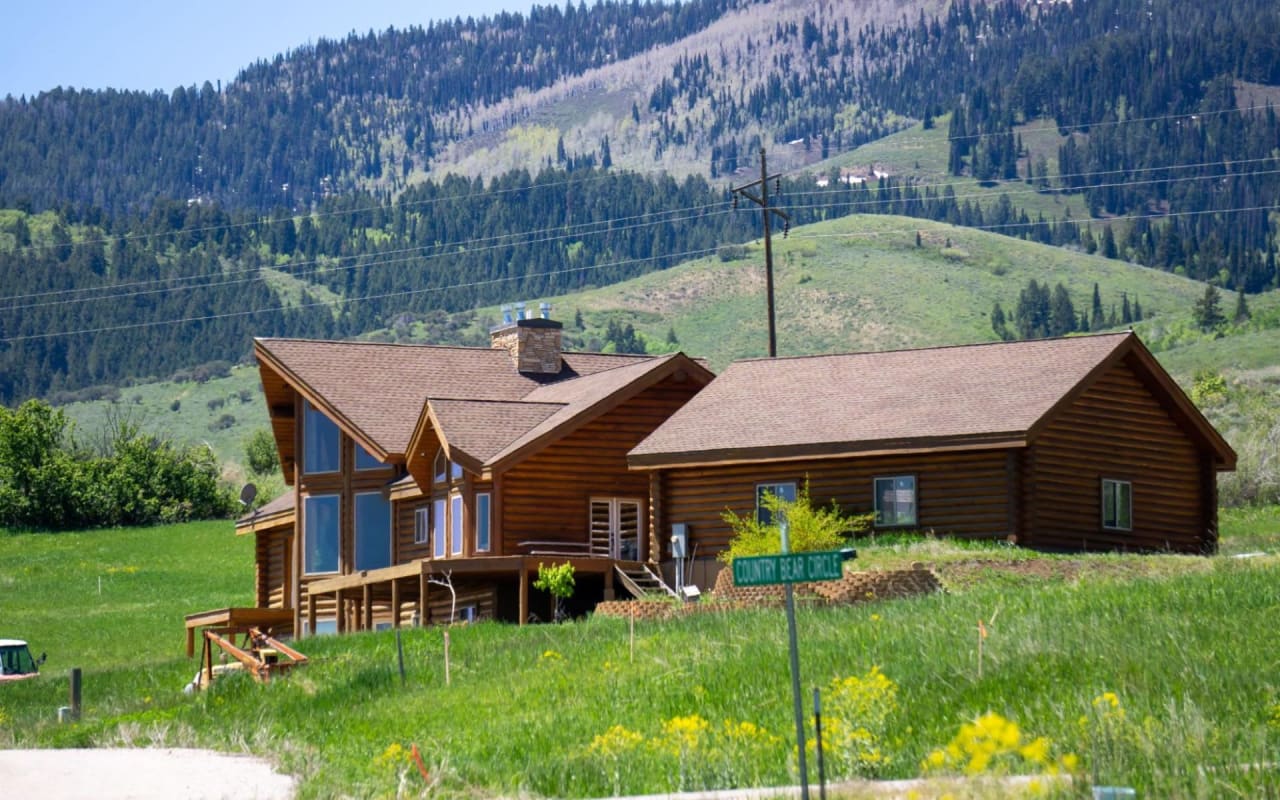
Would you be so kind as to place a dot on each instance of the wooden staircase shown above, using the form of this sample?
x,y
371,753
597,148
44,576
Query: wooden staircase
x,y
642,582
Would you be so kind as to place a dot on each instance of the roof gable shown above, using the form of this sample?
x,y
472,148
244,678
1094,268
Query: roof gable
x,y
493,435
985,395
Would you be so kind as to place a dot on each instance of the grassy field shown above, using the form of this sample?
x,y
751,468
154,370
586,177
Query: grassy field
x,y
1186,645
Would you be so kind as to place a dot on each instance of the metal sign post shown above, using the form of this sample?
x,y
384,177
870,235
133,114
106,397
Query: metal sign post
x,y
789,569
795,667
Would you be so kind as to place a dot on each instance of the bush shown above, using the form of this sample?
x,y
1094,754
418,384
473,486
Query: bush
x,y
809,528
48,481
260,452
732,252
222,423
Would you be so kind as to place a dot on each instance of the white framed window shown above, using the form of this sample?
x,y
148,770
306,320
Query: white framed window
x,y
373,531
320,515
483,513
321,442
785,490
1117,505
422,525
455,523
895,501
438,508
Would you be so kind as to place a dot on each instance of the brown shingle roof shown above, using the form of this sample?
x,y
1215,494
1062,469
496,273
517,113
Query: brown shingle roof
x,y
480,429
378,390
830,405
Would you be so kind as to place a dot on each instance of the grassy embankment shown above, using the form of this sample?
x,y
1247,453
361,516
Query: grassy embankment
x,y
1186,644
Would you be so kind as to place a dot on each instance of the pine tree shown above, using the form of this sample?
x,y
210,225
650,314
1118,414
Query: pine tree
x,y
1099,320
998,322
1207,311
1242,309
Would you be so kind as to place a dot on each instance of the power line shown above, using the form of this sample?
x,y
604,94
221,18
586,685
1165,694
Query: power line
x,y
345,300
495,281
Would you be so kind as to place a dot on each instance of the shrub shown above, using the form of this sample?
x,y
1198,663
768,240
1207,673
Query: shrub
x,y
260,452
48,481
222,423
732,252
809,528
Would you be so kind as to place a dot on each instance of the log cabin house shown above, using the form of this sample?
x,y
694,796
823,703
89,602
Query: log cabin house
x,y
428,483
1081,443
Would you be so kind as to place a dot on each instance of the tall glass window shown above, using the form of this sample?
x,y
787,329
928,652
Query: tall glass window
x,y
482,522
438,518
321,441
320,533
366,460
373,531
455,522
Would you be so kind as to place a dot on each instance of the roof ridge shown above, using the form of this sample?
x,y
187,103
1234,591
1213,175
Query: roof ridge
x,y
520,402
933,347
405,345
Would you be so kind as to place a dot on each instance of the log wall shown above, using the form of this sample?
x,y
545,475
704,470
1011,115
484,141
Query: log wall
x,y
547,496
1117,430
962,494
272,557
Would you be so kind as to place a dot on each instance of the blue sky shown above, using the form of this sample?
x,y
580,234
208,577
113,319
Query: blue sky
x,y
144,44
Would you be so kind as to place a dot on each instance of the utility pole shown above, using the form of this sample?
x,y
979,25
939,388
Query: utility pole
x,y
765,209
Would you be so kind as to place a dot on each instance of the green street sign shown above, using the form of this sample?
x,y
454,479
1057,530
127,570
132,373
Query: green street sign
x,y
788,568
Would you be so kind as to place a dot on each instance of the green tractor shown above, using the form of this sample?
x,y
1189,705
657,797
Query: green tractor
x,y
16,663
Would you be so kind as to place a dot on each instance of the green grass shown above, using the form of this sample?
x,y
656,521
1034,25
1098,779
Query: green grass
x,y
1188,645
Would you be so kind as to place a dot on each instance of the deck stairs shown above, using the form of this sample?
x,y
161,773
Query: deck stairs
x,y
642,582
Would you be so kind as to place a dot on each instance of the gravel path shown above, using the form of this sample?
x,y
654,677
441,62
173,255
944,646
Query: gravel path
x,y
139,774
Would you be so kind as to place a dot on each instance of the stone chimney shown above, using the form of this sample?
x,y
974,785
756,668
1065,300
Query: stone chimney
x,y
533,344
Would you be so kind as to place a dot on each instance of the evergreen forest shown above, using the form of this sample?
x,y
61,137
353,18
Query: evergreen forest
x,y
349,184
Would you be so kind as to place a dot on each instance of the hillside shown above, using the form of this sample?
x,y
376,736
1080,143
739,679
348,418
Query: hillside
x,y
853,283
385,179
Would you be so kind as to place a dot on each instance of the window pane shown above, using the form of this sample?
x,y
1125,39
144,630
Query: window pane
x,y
1117,505
320,533
783,491
455,522
437,528
373,531
366,460
421,525
895,501
482,522
441,470
320,441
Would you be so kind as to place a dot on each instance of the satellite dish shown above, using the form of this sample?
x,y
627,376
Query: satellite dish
x,y
247,494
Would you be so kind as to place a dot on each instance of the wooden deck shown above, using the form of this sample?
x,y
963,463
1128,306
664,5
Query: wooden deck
x,y
362,588
237,620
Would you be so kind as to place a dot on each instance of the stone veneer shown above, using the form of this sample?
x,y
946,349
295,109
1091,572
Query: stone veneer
x,y
854,587
534,344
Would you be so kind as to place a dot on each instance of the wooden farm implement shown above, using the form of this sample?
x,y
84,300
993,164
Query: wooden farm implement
x,y
260,654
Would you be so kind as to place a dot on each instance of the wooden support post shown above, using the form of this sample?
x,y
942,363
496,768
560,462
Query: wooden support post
x,y
609,593
524,593
366,606
311,614
395,603
340,611
424,588
75,692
